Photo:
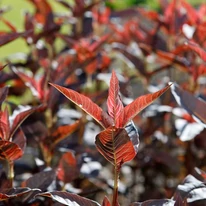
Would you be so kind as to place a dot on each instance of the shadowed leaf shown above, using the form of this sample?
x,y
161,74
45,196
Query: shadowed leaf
x,y
40,180
20,139
193,105
132,109
67,165
163,202
24,193
69,199
8,37
86,104
3,94
115,145
62,132
10,151
19,116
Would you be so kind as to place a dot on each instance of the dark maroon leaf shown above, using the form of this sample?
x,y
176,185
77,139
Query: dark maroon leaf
x,y
3,94
19,115
2,67
41,180
86,104
67,165
191,190
69,199
163,202
19,139
8,37
193,105
115,145
24,193
9,151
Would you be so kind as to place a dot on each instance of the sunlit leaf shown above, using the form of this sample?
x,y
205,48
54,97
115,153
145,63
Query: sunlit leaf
x,y
19,115
115,145
9,151
69,199
114,103
86,104
193,105
132,109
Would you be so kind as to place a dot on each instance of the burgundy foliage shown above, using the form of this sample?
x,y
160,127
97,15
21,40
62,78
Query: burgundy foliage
x,y
133,132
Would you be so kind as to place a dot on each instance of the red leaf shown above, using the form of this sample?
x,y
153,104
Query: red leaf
x,y
106,202
9,151
69,199
67,165
4,125
191,46
62,132
19,116
115,145
193,105
114,103
131,110
86,104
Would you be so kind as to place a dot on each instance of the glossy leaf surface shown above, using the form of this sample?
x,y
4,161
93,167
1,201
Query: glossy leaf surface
x,y
193,105
115,145
69,199
9,151
132,109
86,104
114,103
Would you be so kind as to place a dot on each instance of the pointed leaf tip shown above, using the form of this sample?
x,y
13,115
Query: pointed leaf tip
x,y
85,104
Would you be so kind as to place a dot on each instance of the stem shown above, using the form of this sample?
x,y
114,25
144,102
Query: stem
x,y
11,172
115,190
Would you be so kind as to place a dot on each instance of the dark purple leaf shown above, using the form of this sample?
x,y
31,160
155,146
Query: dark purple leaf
x,y
23,193
41,180
193,105
191,190
163,202
19,139
69,199
3,94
